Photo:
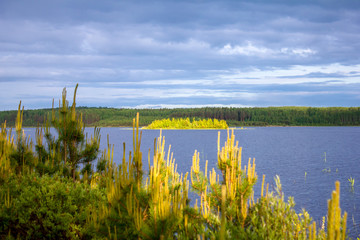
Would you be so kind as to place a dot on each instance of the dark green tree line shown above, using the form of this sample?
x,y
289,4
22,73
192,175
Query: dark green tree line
x,y
278,116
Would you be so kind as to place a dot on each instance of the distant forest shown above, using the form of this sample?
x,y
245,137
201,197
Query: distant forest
x,y
268,116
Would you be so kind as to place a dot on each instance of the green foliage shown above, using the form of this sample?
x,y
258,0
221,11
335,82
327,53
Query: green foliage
x,y
37,206
46,207
150,209
226,197
182,123
16,156
71,147
264,221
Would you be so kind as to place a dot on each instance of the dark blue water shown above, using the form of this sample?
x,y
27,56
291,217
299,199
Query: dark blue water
x,y
289,152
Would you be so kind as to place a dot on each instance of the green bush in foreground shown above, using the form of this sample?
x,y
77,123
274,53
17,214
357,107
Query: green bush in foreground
x,y
46,207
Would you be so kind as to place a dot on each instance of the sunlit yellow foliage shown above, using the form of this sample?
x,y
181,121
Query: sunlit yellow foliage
x,y
181,123
166,190
6,145
230,201
237,182
336,225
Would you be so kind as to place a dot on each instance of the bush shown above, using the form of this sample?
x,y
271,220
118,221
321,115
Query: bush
x,y
46,207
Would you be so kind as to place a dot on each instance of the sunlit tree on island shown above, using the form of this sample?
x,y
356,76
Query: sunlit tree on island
x,y
186,123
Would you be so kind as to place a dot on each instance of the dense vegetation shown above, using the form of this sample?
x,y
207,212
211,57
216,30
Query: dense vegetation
x,y
48,194
186,123
279,116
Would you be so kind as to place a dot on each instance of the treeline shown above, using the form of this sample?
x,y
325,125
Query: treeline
x,y
269,116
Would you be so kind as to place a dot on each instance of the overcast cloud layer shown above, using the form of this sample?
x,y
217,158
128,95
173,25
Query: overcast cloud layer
x,y
180,53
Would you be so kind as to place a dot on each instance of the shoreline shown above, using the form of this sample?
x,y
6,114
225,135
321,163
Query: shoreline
x,y
230,127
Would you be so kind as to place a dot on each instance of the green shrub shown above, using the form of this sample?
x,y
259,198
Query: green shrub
x,y
46,207
273,218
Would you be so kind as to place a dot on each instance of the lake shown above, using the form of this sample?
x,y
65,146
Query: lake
x,y
308,160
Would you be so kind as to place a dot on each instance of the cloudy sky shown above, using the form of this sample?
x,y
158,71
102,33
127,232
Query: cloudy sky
x,y
180,53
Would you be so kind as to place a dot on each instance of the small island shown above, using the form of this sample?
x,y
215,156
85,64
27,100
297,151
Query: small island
x,y
186,123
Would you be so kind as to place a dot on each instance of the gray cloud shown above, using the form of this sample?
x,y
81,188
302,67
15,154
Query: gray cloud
x,y
132,53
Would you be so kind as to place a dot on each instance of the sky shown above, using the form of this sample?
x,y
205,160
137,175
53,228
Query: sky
x,y
170,54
